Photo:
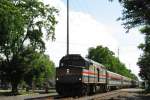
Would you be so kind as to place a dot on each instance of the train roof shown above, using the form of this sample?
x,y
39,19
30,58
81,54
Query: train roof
x,y
72,56
113,73
94,62
78,56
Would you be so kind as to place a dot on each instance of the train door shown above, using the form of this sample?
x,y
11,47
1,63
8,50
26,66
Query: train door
x,y
98,74
107,77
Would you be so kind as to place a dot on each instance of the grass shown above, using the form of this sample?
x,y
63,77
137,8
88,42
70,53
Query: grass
x,y
23,92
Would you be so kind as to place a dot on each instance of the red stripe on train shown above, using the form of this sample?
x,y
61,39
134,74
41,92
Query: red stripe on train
x,y
101,75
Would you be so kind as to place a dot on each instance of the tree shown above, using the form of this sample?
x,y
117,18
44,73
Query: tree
x,y
144,60
106,57
14,72
22,25
100,54
41,71
136,13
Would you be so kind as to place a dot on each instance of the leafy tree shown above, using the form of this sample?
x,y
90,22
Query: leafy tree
x,y
100,54
106,57
22,25
136,13
41,71
144,60
16,69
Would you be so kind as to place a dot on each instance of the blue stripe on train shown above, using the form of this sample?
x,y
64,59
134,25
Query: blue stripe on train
x,y
94,77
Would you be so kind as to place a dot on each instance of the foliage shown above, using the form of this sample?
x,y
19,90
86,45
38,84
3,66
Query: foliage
x,y
136,13
41,71
22,25
106,57
144,60
100,54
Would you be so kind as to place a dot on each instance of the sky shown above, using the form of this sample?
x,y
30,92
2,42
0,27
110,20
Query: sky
x,y
93,23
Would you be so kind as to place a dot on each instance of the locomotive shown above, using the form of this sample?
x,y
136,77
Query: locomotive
x,y
77,75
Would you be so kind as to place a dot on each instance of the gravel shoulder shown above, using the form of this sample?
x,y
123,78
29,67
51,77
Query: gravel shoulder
x,y
125,94
132,94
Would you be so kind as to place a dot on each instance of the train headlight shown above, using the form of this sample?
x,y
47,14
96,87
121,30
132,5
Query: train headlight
x,y
68,71
80,79
57,78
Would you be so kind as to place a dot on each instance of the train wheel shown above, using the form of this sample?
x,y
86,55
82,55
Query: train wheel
x,y
88,90
107,88
85,90
102,88
94,89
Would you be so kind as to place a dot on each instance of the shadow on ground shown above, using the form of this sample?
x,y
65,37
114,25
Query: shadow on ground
x,y
8,93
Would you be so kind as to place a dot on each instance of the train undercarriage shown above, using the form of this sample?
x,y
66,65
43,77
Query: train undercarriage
x,y
80,89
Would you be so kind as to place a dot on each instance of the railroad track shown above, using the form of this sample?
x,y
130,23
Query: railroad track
x,y
103,96
98,96
52,97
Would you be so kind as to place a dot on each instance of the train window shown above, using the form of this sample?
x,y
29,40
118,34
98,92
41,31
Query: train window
x,y
90,64
87,64
61,64
73,63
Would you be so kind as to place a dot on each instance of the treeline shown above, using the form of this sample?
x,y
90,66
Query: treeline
x,y
136,13
23,24
106,57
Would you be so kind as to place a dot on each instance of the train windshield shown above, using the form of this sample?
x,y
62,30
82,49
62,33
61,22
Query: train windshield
x,y
73,61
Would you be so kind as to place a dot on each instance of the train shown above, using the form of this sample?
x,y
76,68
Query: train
x,y
77,75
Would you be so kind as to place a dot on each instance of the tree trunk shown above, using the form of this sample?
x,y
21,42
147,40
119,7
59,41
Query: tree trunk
x,y
148,86
33,86
14,88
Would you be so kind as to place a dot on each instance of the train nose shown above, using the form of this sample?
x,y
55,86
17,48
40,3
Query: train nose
x,y
69,75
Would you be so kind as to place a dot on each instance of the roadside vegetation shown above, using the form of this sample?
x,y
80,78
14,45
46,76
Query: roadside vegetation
x,y
106,57
136,13
23,25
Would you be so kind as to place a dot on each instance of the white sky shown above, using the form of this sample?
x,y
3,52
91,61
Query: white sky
x,y
86,31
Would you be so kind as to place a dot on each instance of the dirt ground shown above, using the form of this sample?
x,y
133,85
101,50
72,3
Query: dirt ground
x,y
133,94
125,94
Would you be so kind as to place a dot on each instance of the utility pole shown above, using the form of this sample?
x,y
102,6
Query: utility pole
x,y
67,27
118,52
